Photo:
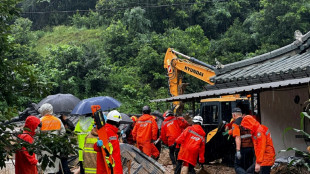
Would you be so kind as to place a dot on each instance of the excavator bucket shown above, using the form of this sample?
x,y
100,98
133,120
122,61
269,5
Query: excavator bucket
x,y
211,134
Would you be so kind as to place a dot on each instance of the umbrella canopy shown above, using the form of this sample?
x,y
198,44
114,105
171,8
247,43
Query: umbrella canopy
x,y
125,119
105,102
62,103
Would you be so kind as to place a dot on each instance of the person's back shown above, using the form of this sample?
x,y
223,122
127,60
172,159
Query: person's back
x,y
263,145
89,154
171,129
145,129
268,157
24,162
192,142
145,132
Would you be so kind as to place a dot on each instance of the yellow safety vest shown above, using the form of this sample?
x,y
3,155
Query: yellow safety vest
x,y
82,133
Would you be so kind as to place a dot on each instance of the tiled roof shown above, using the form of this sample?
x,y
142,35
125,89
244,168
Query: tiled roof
x,y
235,90
286,66
289,62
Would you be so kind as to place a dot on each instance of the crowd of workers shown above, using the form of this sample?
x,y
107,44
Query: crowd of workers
x,y
254,148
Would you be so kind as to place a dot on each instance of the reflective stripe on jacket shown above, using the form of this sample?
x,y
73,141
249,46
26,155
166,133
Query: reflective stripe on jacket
x,y
89,154
82,129
192,142
171,129
245,134
50,123
116,153
263,146
145,129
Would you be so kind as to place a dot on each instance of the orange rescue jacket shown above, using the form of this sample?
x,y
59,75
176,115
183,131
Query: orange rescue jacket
x,y
192,142
116,153
145,129
263,146
172,128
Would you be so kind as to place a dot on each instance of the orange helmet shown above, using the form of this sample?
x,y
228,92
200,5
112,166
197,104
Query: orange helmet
x,y
134,118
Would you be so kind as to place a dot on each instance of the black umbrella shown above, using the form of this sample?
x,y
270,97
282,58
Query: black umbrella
x,y
125,119
62,103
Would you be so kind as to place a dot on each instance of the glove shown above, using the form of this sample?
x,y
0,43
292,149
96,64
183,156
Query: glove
x,y
225,133
99,143
257,167
238,155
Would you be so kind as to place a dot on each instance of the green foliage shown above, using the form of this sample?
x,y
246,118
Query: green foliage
x,y
279,20
136,21
21,31
116,40
54,144
56,12
90,20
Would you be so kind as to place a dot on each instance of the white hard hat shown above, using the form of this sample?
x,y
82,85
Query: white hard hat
x,y
114,116
198,119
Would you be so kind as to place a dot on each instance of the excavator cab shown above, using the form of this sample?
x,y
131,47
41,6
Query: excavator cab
x,y
216,112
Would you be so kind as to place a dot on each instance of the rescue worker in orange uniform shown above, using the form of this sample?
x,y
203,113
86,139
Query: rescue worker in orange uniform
x,y
192,142
145,133
244,146
263,146
171,129
113,122
24,162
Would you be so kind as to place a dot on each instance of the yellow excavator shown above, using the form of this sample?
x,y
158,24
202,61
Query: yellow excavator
x,y
189,65
215,111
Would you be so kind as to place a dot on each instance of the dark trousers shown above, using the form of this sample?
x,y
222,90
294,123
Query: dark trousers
x,y
265,170
82,171
243,165
178,169
64,166
173,153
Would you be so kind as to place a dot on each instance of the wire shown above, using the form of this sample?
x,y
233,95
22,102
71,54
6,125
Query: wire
x,y
114,9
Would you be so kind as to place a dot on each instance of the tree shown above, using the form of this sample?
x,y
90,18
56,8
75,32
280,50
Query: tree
x,y
45,13
276,22
136,21
19,80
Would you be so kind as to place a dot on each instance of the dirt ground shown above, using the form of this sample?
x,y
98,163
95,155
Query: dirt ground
x,y
218,168
208,169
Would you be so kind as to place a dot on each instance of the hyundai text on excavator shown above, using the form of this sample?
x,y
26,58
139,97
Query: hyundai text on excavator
x,y
215,111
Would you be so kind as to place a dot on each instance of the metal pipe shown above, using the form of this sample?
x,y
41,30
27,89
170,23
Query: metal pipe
x,y
192,59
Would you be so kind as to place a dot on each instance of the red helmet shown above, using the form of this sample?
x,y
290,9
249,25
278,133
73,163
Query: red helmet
x,y
168,113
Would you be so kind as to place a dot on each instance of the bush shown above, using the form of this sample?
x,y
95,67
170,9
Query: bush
x,y
90,20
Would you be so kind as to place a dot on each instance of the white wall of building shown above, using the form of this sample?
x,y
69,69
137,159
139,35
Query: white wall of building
x,y
278,111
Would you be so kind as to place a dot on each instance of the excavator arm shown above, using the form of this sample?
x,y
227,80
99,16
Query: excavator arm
x,y
189,65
